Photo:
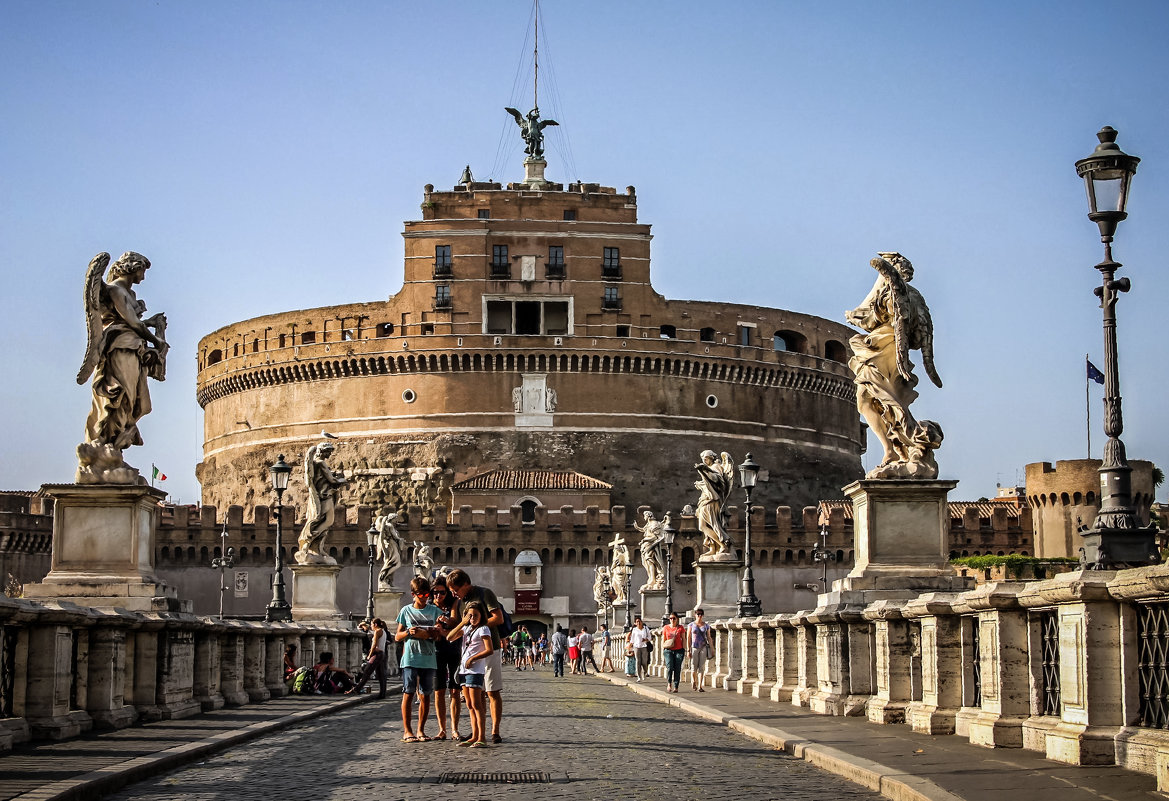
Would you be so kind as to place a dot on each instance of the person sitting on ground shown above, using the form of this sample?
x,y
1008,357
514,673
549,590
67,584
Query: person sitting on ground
x,y
476,649
327,678
460,584
375,659
417,632
290,666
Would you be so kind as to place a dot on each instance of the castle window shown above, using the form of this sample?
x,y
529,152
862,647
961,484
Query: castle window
x,y
555,264
442,296
235,349
308,337
256,345
484,214
687,568
611,263
528,317
745,335
706,335
442,260
384,329
611,300
668,332
570,215
214,357
283,339
500,267
623,331
528,511
790,341
835,351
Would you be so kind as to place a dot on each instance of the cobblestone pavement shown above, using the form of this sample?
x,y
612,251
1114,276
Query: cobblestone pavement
x,y
595,740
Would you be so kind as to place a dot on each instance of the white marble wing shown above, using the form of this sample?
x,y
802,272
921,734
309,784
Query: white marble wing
x,y
91,301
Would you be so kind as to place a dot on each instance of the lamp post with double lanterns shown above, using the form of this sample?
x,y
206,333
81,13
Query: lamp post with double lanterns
x,y
668,540
822,556
1115,539
749,605
371,541
628,590
278,608
225,560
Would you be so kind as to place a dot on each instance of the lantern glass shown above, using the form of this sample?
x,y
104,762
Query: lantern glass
x,y
371,536
748,472
280,472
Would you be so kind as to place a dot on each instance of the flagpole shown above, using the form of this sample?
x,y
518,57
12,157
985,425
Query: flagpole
x,y
1087,405
153,473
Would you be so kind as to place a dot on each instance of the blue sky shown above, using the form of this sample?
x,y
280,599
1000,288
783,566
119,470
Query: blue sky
x,y
263,155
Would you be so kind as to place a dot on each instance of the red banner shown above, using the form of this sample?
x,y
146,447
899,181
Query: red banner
x,y
527,602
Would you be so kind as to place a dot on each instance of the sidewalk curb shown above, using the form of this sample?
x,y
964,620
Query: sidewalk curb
x,y
893,784
111,778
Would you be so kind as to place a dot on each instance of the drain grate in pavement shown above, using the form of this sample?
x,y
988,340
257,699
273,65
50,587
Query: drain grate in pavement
x,y
521,777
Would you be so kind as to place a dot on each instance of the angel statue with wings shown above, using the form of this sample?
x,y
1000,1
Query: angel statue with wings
x,y
122,351
323,484
897,321
423,560
653,536
532,130
716,480
389,548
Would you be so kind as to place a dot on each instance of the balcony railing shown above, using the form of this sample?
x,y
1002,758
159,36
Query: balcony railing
x,y
554,270
442,269
500,270
611,304
611,271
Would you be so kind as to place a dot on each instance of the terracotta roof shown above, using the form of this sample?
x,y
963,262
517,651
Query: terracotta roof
x,y
532,480
957,508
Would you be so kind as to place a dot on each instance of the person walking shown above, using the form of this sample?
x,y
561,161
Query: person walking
x,y
559,650
375,660
674,650
460,584
417,632
573,651
606,641
698,644
585,643
639,639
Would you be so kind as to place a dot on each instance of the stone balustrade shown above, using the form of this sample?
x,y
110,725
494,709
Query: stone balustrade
x,y
1075,667
66,669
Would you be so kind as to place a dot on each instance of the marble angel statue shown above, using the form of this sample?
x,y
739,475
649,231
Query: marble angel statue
x,y
423,561
716,479
620,569
897,321
602,593
323,484
123,350
653,537
389,546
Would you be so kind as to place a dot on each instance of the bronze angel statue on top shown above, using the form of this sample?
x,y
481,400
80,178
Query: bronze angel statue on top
x,y
897,321
123,349
532,130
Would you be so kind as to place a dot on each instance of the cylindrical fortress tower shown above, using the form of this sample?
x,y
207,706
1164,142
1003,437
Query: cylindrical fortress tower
x,y
527,335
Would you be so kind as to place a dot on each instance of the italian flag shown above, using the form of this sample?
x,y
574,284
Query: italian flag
x,y
157,474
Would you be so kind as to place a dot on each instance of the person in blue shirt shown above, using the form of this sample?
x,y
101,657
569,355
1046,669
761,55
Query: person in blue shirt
x,y
417,633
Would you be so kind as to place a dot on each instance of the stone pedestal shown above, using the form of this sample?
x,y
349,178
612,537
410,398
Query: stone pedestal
x,y
718,588
387,604
103,549
534,172
900,528
314,592
653,606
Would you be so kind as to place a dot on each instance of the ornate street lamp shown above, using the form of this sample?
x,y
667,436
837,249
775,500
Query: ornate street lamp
x,y
628,591
668,540
225,560
749,605
278,608
371,541
607,589
1114,539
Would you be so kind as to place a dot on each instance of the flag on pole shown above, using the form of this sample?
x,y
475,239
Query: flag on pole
x,y
157,474
1093,373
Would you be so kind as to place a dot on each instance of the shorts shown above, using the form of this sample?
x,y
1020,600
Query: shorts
x,y
417,679
473,680
493,681
448,666
698,660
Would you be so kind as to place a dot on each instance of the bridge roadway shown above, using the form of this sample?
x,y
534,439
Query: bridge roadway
x,y
580,738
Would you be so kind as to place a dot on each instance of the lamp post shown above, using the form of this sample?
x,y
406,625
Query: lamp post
x,y
822,556
628,589
607,590
749,605
668,540
278,608
1114,539
371,541
225,560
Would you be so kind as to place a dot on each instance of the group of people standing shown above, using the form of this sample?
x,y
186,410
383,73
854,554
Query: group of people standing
x,y
578,649
678,642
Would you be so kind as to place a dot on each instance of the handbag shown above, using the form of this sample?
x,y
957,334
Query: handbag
x,y
709,651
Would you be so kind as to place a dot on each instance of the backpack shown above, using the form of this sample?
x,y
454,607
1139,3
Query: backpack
x,y
507,628
302,683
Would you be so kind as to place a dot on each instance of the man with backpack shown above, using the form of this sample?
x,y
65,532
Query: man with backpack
x,y
499,623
